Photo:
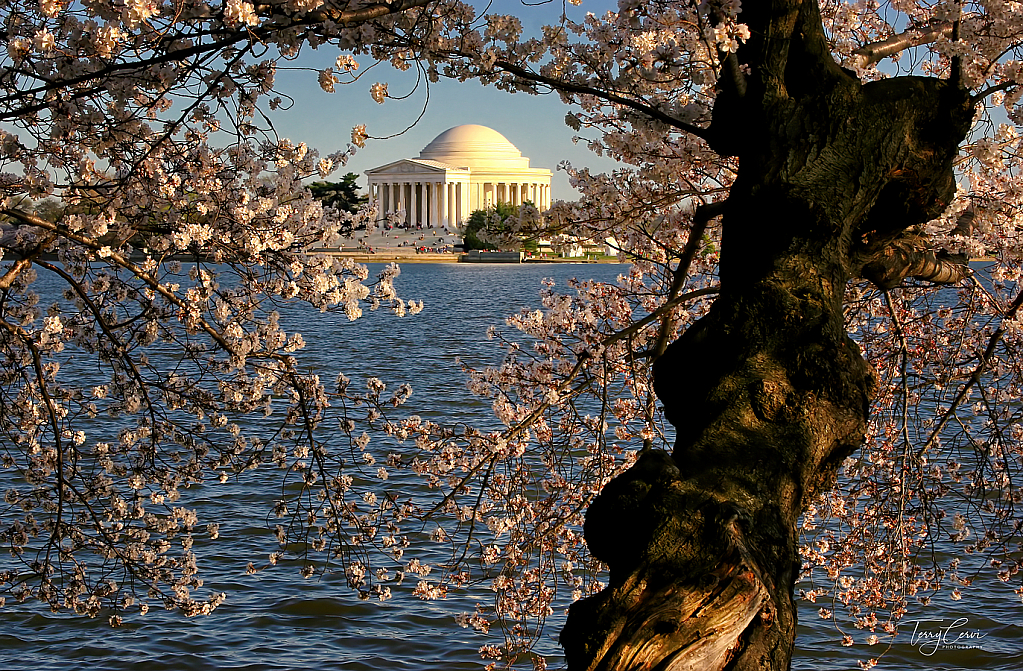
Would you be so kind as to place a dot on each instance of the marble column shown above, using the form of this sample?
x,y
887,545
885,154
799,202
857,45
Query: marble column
x,y
424,205
413,205
454,204
444,204
434,219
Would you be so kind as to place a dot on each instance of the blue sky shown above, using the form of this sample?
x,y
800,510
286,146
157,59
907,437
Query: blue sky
x,y
533,123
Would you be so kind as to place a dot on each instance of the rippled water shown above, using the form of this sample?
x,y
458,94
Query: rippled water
x,y
275,620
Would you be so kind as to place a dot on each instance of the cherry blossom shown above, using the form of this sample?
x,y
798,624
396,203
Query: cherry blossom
x,y
146,120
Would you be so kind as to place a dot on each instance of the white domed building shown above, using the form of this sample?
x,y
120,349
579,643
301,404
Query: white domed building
x,y
465,168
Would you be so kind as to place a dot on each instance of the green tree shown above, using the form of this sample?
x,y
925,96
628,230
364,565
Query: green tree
x,y
50,209
493,220
497,223
343,195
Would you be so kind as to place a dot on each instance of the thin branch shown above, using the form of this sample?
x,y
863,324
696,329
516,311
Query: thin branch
x,y
980,95
659,312
24,262
701,218
515,431
569,87
115,342
904,430
106,72
259,33
51,414
974,379
522,425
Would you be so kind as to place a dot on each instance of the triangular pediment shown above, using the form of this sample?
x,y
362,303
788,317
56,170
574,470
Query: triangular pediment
x,y
409,166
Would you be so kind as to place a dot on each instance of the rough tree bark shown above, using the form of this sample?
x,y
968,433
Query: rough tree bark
x,y
768,394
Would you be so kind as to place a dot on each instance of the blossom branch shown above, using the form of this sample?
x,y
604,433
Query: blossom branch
x,y
51,414
525,423
116,343
520,428
125,263
904,467
64,483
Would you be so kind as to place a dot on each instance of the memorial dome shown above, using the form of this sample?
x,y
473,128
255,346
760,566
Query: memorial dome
x,y
474,146
465,169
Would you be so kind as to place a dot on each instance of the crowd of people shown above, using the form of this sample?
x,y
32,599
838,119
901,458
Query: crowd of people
x,y
424,239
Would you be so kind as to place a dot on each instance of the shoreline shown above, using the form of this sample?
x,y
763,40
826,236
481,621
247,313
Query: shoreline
x,y
387,256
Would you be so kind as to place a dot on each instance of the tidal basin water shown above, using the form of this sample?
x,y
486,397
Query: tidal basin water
x,y
275,620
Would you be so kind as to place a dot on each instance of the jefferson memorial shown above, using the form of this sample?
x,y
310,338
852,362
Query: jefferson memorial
x,y
465,168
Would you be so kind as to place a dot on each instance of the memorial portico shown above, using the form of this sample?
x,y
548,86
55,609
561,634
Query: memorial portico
x,y
465,168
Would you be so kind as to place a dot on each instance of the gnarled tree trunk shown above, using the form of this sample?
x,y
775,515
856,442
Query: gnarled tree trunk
x,y
768,393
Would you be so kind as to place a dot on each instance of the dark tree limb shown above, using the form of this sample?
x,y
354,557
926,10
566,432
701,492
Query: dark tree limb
x,y
913,255
907,258
734,78
875,52
694,606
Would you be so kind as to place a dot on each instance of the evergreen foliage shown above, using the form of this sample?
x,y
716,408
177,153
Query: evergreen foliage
x,y
343,195
493,220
